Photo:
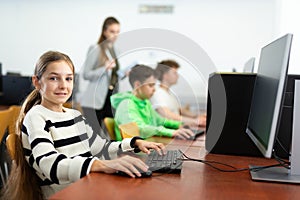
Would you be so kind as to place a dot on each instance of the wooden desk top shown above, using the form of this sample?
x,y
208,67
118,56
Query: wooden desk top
x,y
199,142
196,181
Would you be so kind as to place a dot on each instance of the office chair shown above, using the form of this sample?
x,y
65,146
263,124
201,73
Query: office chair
x,y
4,119
10,145
5,161
110,127
12,125
129,130
73,105
13,118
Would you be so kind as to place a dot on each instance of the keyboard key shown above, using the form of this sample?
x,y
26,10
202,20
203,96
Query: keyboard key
x,y
168,163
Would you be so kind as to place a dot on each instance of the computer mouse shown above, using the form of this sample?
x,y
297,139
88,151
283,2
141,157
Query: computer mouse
x,y
143,174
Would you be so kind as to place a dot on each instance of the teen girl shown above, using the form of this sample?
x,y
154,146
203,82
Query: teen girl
x,y
56,146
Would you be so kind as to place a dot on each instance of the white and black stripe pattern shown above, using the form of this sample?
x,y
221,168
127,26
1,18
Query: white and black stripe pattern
x,y
62,146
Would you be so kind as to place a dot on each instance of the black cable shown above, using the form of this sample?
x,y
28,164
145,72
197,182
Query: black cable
x,y
234,169
284,163
281,159
258,168
211,164
282,147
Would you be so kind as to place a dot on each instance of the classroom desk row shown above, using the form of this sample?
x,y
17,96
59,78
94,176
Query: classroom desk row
x,y
196,181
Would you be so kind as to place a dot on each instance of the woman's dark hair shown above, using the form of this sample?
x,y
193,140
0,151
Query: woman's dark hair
x,y
102,41
107,22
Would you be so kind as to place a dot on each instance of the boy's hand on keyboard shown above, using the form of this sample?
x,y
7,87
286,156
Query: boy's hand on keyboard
x,y
183,133
145,146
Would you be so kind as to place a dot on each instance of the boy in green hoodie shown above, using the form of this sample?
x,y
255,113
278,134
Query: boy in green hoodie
x,y
135,107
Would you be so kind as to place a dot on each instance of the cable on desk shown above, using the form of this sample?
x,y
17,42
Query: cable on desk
x,y
234,169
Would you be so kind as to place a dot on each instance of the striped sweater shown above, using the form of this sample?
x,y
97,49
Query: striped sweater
x,y
61,146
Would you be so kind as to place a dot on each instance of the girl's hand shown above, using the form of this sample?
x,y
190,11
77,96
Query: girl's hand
x,y
127,164
144,146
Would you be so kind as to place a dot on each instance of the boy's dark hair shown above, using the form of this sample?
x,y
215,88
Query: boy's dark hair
x,y
163,67
140,73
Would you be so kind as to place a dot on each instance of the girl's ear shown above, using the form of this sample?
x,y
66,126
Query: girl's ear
x,y
35,82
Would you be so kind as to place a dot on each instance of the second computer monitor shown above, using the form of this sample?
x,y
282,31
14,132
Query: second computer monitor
x,y
15,89
249,65
268,92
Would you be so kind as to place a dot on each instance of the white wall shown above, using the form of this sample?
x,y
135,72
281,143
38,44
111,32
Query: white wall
x,y
289,22
230,31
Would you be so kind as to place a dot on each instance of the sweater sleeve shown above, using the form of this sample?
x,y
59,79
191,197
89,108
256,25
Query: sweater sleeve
x,y
91,66
127,112
46,158
59,156
167,123
104,149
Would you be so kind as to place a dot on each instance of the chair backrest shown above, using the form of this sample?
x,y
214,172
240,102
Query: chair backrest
x,y
13,119
129,130
110,127
10,145
5,161
4,121
8,122
10,139
74,105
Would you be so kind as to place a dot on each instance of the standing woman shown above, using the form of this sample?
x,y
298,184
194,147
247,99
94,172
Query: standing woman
x,y
100,69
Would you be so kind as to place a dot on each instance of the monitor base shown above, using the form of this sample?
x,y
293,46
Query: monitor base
x,y
274,174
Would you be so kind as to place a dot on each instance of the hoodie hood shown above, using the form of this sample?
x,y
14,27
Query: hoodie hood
x,y
116,99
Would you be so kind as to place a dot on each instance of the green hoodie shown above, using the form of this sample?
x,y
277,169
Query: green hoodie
x,y
129,108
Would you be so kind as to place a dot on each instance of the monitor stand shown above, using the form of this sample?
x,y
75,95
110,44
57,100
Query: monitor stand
x,y
274,174
280,174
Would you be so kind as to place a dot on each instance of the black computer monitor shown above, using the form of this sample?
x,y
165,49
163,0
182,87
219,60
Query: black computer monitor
x,y
266,106
15,89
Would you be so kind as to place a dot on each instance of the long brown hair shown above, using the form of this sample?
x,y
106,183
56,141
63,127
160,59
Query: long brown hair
x,y
23,183
102,39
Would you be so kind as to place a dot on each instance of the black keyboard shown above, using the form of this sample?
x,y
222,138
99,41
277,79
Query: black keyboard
x,y
169,163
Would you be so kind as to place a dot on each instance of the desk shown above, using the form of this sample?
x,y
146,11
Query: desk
x,y
199,142
196,181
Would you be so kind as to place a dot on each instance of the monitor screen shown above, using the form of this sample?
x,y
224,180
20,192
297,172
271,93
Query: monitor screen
x,y
268,94
15,89
249,65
